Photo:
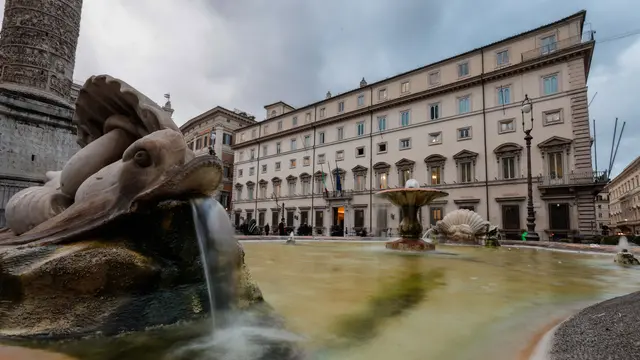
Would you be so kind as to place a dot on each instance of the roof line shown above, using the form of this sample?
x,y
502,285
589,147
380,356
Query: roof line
x,y
581,13
197,118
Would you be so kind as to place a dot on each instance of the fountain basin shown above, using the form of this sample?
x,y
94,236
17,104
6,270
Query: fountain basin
x,y
410,199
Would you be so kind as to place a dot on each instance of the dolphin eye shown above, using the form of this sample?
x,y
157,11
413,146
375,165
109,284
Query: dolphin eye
x,y
142,158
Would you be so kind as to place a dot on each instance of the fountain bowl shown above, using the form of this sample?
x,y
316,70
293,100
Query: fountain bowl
x,y
410,199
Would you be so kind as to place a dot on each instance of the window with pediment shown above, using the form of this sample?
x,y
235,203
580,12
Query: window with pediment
x,y
338,171
277,183
508,157
250,189
405,170
291,185
466,165
381,171
305,180
359,178
435,168
262,185
238,187
320,179
555,155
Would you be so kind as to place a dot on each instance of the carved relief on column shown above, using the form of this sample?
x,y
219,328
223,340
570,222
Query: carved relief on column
x,y
38,46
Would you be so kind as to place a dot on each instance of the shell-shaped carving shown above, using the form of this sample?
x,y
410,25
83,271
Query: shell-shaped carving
x,y
463,225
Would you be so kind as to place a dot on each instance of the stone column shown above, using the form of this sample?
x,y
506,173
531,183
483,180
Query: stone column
x,y
38,47
219,129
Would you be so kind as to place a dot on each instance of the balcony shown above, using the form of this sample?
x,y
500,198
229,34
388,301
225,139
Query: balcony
x,y
554,47
338,195
588,178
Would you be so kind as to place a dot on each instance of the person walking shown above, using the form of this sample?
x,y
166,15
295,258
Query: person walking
x,y
266,229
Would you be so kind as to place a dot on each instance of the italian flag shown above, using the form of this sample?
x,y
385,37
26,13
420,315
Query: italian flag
x,y
324,182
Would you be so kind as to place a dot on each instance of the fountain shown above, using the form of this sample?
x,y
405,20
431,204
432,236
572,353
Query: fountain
x,y
410,199
108,244
464,226
624,256
291,240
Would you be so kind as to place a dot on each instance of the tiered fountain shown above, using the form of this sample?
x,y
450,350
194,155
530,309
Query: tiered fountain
x,y
410,199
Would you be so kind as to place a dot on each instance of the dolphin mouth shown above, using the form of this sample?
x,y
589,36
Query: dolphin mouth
x,y
199,177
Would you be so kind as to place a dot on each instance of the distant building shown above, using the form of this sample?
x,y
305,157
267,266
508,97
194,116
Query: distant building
x,y
454,125
223,123
602,212
624,200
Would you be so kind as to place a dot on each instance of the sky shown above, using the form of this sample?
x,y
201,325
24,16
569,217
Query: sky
x,y
248,53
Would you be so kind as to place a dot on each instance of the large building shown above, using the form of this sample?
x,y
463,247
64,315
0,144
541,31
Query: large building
x,y
602,213
454,125
624,200
37,57
222,123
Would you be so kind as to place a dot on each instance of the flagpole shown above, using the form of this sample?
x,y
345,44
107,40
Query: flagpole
x,y
331,177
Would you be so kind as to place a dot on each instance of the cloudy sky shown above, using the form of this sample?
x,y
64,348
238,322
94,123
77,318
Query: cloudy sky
x,y
248,53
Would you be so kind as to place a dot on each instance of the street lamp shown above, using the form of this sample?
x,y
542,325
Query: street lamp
x,y
527,108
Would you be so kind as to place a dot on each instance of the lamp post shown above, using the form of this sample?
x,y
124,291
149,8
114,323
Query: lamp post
x,y
527,108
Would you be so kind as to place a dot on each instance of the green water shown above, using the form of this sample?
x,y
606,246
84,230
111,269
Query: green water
x,y
359,301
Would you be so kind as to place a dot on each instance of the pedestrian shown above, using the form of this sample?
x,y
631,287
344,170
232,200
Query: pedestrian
x,y
266,229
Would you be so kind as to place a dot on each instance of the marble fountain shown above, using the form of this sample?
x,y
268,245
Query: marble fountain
x,y
123,254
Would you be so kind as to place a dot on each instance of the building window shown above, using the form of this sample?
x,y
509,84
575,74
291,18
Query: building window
x,y
319,218
434,78
252,171
404,176
306,188
464,105
382,148
465,172
306,161
434,111
261,215
405,144
550,84
504,95
242,137
307,141
239,194
404,87
307,118
239,173
435,138
280,125
294,144
405,118
252,154
360,151
266,129
341,106
263,191
241,156
199,144
435,215
382,123
509,168
340,155
321,138
277,165
506,126
549,44
464,133
226,171
278,148
436,175
359,182
555,165
264,168
264,150
322,113
463,69
226,139
360,128
320,158
292,163
382,180
249,192
502,57
382,94
361,100
292,188
552,117
253,133
340,133
294,121
358,218
511,217
289,218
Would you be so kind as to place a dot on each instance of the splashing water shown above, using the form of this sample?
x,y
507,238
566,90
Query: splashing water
x,y
623,244
219,253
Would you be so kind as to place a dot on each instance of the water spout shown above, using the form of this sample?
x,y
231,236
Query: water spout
x,y
219,253
623,244
291,240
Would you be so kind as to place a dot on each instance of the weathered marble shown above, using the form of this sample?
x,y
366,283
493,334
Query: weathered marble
x,y
465,227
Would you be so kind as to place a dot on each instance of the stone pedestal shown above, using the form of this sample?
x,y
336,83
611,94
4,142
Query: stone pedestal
x,y
410,245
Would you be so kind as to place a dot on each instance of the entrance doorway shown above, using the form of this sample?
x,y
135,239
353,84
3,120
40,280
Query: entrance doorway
x,y
559,220
337,228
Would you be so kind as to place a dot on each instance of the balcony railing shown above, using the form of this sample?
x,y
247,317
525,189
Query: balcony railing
x,y
342,194
573,178
552,48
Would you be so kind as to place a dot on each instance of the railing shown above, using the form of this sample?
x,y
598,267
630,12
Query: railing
x,y
342,194
552,48
573,178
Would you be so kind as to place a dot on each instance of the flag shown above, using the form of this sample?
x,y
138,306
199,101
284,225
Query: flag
x,y
338,183
324,182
